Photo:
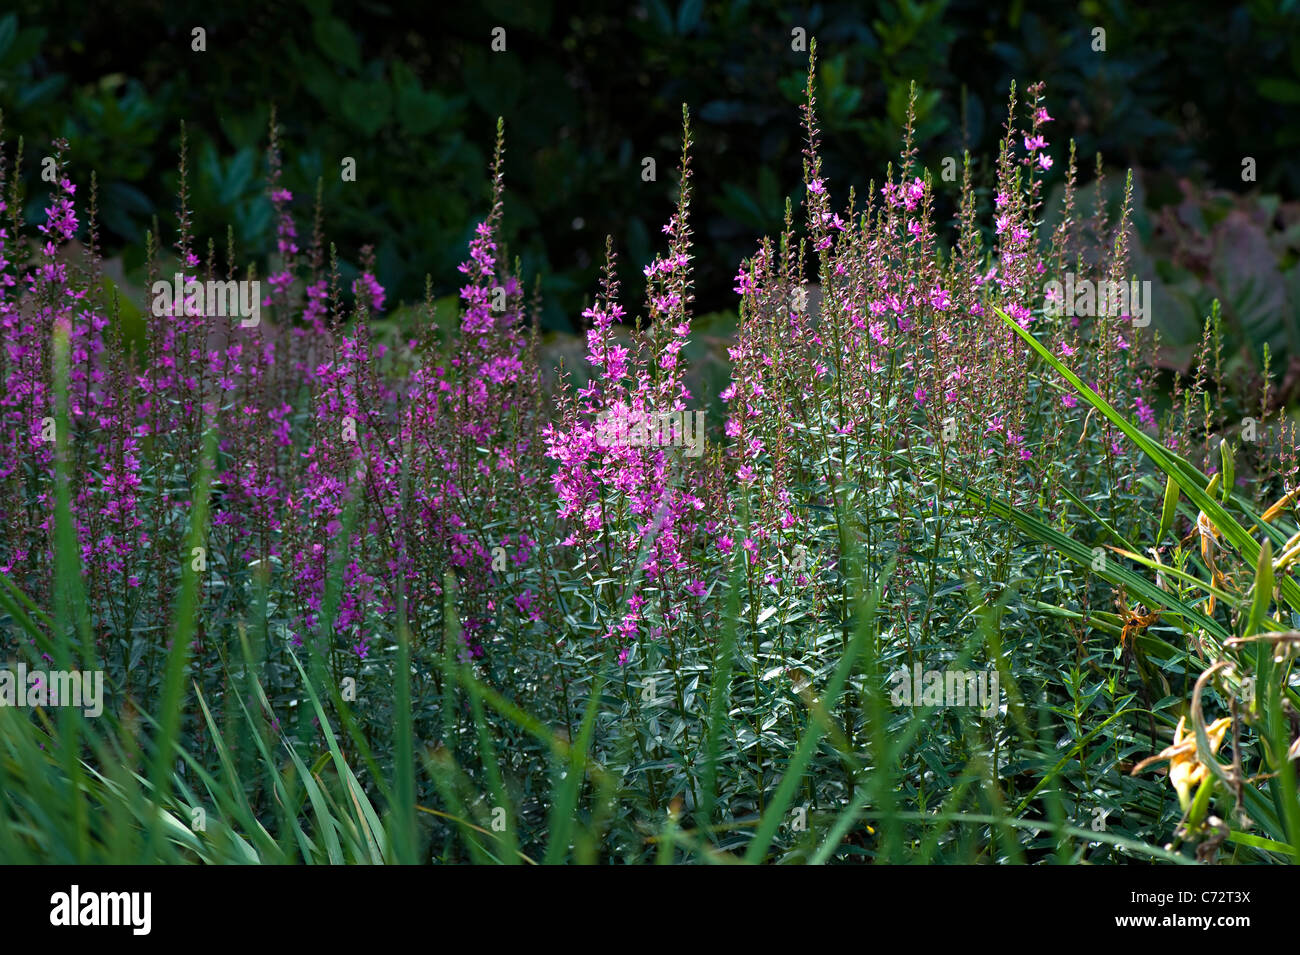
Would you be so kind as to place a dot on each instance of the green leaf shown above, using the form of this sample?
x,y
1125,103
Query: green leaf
x,y
1170,509
688,15
367,105
336,41
1263,589
1279,90
1258,842
1229,469
8,30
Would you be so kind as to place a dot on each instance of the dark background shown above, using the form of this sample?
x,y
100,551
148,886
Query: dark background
x,y
1183,92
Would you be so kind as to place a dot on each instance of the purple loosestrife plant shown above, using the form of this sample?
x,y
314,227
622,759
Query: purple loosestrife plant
x,y
626,491
471,423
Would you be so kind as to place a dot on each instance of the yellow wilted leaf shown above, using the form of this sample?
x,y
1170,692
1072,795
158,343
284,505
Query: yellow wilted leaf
x,y
1186,771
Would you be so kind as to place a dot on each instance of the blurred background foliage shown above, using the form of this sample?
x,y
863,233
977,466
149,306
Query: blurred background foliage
x,y
1183,92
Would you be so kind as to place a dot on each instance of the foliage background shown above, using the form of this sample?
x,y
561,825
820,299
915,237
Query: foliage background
x,y
1183,91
